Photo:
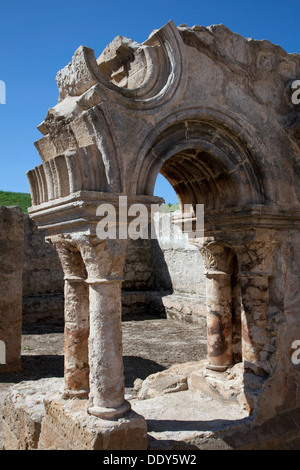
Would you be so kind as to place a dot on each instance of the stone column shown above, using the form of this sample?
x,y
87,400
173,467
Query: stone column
x,y
76,366
104,261
218,263
76,311
105,350
219,320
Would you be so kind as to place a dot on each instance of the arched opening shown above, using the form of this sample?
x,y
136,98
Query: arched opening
x,y
208,162
200,176
163,297
165,190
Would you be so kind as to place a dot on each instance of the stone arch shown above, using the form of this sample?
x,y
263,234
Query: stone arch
x,y
208,110
211,159
201,155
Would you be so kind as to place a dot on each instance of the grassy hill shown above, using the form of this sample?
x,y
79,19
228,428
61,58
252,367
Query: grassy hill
x,y
170,207
22,200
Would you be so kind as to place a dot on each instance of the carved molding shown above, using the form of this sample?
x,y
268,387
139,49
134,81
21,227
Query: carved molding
x,y
78,170
209,259
161,59
70,258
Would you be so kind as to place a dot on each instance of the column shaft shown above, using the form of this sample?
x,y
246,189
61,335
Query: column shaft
x,y
219,320
76,366
105,350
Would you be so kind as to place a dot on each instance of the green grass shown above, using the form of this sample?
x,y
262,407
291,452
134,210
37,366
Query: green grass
x,y
22,200
170,207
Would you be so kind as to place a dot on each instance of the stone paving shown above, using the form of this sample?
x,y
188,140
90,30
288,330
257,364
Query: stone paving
x,y
150,345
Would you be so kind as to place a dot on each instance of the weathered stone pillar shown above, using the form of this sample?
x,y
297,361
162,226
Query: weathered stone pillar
x,y
105,350
76,338
218,263
255,261
219,320
104,261
254,317
76,367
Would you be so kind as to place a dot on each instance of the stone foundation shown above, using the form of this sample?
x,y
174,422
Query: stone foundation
x,y
37,417
68,427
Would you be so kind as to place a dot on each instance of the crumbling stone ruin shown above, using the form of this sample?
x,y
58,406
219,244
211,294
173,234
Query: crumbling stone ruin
x,y
161,276
11,270
212,112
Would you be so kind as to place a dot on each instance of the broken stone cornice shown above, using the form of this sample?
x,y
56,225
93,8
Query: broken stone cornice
x,y
163,60
220,31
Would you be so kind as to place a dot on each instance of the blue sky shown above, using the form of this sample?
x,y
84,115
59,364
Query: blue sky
x,y
39,38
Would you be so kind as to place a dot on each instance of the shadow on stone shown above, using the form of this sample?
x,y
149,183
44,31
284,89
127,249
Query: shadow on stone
x,y
36,367
138,367
42,328
144,317
179,425
160,444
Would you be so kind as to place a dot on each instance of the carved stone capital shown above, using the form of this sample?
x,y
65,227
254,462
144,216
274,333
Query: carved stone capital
x,y
70,258
209,259
217,258
104,259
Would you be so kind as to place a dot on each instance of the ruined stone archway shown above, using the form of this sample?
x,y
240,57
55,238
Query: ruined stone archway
x,y
206,165
218,165
211,111
211,164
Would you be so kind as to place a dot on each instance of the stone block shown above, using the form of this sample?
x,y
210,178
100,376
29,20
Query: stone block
x,y
11,269
67,426
23,413
35,416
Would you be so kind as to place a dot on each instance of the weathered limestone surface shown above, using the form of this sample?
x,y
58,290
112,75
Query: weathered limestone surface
x,y
42,269
177,265
43,284
11,268
68,427
164,275
37,418
168,265
24,411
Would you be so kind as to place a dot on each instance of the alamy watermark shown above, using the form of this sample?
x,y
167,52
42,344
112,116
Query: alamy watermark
x,y
140,221
296,354
2,352
296,93
2,92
